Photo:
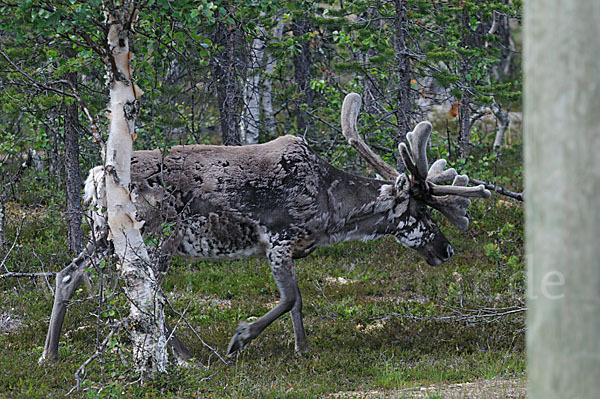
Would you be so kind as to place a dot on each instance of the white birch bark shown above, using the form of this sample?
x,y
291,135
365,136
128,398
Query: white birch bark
x,y
267,98
250,120
503,122
147,303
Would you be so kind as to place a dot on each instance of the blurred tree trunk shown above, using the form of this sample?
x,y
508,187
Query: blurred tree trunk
x,y
562,99
72,173
228,92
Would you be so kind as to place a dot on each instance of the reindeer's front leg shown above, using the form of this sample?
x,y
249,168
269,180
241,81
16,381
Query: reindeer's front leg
x,y
282,267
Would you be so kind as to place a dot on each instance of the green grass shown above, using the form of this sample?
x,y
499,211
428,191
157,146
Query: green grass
x,y
372,314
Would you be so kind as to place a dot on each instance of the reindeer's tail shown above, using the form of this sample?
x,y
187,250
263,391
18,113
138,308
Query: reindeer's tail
x,y
94,196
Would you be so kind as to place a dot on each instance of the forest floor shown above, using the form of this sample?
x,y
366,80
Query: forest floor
x,y
381,322
496,388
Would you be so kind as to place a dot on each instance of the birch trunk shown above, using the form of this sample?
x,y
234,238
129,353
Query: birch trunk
x,y
147,303
503,122
250,120
562,183
267,92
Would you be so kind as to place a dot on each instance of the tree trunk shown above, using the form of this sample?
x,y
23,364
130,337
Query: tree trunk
x,y
250,120
146,318
503,122
562,99
2,219
267,96
228,94
302,75
73,176
464,112
464,132
369,94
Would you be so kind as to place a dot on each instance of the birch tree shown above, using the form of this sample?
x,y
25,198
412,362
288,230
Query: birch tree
x,y
267,88
250,120
142,288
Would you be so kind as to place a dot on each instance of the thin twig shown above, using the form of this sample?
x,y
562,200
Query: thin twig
x,y
80,373
44,271
94,127
13,245
195,333
17,274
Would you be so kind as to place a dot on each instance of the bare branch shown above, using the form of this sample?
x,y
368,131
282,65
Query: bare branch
x,y
3,264
18,274
500,190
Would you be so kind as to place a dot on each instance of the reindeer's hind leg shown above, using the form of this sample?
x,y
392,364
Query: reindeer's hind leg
x,y
282,267
301,343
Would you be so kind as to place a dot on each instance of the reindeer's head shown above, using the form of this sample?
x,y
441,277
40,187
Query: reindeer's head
x,y
417,191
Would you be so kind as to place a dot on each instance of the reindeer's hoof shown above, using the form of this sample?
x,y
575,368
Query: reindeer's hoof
x,y
239,339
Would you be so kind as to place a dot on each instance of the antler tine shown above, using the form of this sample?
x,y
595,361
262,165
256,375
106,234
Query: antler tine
x,y
407,159
452,200
418,145
476,191
437,174
350,110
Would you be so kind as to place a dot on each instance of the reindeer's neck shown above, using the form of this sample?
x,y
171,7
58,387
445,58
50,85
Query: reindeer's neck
x,y
359,209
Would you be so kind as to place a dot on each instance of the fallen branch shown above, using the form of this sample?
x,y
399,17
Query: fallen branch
x,y
498,189
17,274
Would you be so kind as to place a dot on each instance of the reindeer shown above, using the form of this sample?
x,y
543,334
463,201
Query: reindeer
x,y
277,199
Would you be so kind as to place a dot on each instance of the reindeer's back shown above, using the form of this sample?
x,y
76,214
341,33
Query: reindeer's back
x,y
274,186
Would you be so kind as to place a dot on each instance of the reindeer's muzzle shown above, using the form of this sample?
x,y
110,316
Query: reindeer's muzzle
x,y
437,251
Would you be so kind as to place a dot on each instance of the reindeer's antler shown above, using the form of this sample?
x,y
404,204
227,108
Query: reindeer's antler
x,y
451,200
350,110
